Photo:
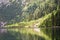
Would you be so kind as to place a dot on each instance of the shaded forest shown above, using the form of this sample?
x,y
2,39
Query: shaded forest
x,y
30,19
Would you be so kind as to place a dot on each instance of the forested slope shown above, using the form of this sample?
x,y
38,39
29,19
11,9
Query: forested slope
x,y
32,19
20,10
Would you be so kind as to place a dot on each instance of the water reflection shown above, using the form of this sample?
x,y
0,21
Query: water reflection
x,y
16,35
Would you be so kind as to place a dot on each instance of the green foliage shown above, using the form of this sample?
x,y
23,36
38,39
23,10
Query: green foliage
x,y
9,12
36,11
15,12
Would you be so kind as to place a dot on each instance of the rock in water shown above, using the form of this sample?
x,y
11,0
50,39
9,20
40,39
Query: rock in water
x,y
37,29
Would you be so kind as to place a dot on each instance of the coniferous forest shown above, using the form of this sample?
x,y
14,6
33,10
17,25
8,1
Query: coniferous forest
x,y
29,19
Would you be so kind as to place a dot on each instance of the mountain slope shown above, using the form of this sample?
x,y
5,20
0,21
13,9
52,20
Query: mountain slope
x,y
32,27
